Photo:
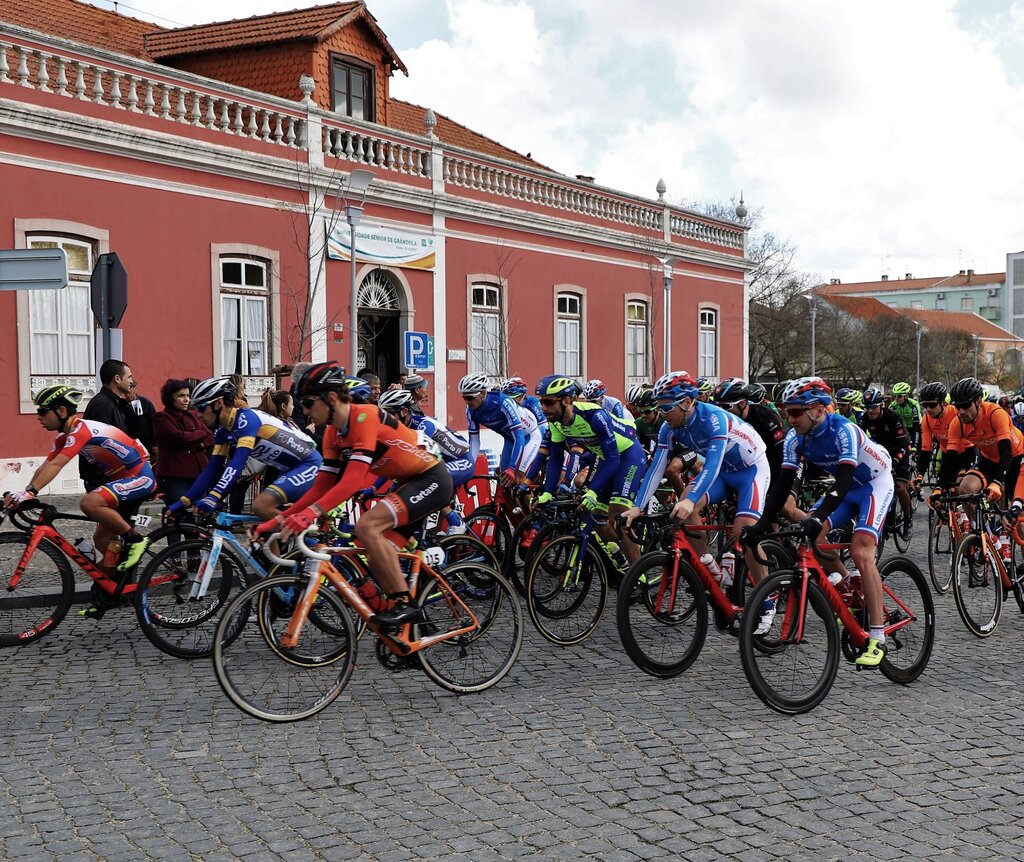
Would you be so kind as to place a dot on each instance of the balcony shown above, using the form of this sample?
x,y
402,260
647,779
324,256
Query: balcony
x,y
991,312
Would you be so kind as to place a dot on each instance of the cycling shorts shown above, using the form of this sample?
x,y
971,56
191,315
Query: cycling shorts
x,y
129,489
750,485
626,482
291,485
461,470
986,470
869,503
413,499
901,467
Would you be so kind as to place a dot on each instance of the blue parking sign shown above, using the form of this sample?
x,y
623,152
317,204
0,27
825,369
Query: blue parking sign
x,y
419,351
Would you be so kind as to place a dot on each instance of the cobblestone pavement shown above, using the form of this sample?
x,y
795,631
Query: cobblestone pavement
x,y
114,751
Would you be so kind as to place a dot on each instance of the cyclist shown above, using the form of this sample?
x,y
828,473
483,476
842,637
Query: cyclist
x,y
846,403
360,390
379,445
240,433
734,462
733,395
646,416
594,392
705,386
122,462
886,429
908,410
863,490
1000,445
759,395
620,461
936,418
516,389
502,415
1017,415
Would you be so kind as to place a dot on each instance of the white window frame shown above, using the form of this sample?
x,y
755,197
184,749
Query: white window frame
x,y
34,229
562,321
629,362
270,259
967,303
708,323
497,319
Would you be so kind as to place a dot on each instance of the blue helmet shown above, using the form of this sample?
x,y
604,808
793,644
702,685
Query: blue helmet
x,y
873,397
807,390
846,395
514,387
594,389
674,386
557,385
358,388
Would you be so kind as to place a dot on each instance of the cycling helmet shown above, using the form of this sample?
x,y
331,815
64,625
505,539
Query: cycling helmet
x,y
675,386
414,382
514,387
594,389
933,392
807,390
210,390
967,389
778,389
756,393
1005,401
730,390
635,393
358,388
847,395
704,385
873,397
320,377
558,385
473,384
1018,409
395,399
901,388
53,397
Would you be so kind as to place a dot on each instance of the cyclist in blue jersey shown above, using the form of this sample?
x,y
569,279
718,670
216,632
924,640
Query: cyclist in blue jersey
x,y
863,490
620,460
735,462
500,414
516,389
594,392
847,401
240,434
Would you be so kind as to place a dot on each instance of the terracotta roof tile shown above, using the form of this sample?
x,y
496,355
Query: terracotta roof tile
x,y
80,22
409,118
950,281
961,321
864,307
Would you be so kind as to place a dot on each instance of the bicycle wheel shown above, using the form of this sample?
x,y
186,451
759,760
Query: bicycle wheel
x,y
797,673
174,621
43,595
899,520
940,552
566,590
521,545
977,587
264,678
467,548
907,603
478,659
662,614
490,528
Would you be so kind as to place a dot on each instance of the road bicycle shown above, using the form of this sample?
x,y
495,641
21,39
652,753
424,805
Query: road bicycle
x,y
816,622
947,524
662,606
285,647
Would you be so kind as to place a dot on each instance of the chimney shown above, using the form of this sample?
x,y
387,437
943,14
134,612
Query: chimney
x,y
963,272
909,276
834,281
583,178
885,278
970,275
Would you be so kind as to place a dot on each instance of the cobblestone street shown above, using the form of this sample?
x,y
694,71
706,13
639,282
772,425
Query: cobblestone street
x,y
115,751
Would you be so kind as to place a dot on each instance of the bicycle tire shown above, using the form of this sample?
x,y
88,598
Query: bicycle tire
x,y
940,546
769,670
175,623
977,587
662,632
476,660
901,544
566,608
267,680
492,529
905,595
44,594
466,548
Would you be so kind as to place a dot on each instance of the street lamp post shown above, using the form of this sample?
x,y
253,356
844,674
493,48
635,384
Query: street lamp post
x,y
813,300
666,280
917,338
352,191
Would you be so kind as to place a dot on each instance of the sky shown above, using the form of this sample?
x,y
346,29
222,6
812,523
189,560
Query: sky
x,y
878,137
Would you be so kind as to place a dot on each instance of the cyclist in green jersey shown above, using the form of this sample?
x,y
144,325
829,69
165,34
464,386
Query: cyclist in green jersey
x,y
908,410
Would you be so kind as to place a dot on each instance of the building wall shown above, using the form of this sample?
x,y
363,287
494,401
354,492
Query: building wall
x,y
989,307
273,69
1015,300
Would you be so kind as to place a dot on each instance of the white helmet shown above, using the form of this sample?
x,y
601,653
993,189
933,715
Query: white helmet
x,y
1018,409
471,384
395,399
212,389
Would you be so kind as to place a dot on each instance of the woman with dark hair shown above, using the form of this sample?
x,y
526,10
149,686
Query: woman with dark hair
x,y
278,403
183,440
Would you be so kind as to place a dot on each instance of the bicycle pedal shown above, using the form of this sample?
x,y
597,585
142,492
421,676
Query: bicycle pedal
x,y
93,613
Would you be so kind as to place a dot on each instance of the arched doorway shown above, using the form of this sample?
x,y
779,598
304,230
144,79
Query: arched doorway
x,y
380,312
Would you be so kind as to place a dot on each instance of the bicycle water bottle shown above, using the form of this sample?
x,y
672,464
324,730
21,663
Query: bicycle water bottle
x,y
112,555
963,522
87,550
1005,548
372,595
709,563
728,568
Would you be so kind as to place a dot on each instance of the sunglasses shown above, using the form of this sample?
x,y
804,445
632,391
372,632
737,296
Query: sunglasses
x,y
795,411
668,408
963,405
471,397
308,402
548,402
647,411
929,404
42,411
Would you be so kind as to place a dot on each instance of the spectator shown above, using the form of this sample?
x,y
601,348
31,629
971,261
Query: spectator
x,y
374,382
239,381
420,392
111,406
279,404
144,413
183,439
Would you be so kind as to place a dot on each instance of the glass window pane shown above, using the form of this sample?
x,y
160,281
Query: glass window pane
x,y
45,353
255,275
42,243
78,257
78,356
358,110
231,272
358,80
43,305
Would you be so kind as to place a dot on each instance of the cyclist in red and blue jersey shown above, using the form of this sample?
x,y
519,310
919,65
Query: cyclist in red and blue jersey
x,y
516,389
499,413
122,461
863,490
594,392
239,434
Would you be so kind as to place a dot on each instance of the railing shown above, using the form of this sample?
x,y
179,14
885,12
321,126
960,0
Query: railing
x,y
703,231
392,154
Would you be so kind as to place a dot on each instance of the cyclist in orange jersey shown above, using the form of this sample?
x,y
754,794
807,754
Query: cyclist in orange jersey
x,y
936,417
381,445
1000,446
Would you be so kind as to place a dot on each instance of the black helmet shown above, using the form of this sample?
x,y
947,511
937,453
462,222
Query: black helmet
x,y
966,390
933,392
730,390
756,393
873,397
320,378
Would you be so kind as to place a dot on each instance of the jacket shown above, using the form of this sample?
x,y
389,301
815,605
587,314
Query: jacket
x,y
183,440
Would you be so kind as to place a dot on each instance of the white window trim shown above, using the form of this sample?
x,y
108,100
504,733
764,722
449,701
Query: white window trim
x,y
581,292
273,260
491,280
626,300
717,309
22,229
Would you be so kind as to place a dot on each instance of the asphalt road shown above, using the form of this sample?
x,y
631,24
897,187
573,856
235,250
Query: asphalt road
x,y
112,750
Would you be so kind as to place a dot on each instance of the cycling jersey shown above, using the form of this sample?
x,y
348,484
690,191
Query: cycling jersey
x,y
910,415
726,442
991,425
834,442
107,448
935,432
768,425
614,406
887,428
647,427
500,414
532,403
452,446
853,415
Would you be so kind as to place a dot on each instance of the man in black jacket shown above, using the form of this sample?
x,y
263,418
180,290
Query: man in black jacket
x,y
112,406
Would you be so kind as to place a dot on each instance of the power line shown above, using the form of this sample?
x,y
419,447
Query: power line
x,y
117,6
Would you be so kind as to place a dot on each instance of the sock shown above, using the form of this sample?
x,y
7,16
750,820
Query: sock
x,y
878,633
453,519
